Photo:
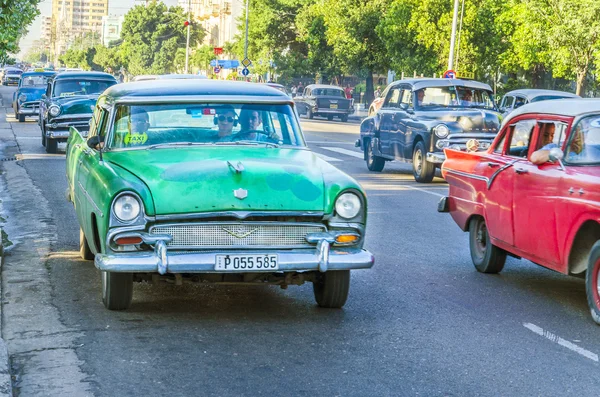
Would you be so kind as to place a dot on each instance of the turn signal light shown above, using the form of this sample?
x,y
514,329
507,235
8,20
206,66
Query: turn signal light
x,y
128,240
346,238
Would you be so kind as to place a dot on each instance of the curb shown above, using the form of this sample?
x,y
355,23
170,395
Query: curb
x,y
5,376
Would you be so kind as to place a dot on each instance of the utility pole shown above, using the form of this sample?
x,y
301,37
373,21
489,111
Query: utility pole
x,y
246,45
187,43
453,37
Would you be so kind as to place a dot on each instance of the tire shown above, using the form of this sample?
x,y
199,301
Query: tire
x,y
117,290
486,257
330,117
331,288
344,118
51,145
374,163
309,114
423,170
84,248
43,128
21,118
592,282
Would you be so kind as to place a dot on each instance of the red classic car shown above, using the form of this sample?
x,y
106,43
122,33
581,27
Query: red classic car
x,y
547,212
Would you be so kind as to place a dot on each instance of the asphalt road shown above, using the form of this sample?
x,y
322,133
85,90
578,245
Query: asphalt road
x,y
421,322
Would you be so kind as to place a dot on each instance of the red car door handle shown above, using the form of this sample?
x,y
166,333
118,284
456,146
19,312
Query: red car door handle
x,y
521,170
493,165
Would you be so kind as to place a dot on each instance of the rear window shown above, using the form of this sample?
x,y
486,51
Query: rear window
x,y
548,98
328,92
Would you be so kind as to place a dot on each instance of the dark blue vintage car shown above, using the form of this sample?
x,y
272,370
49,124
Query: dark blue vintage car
x,y
26,99
421,117
68,102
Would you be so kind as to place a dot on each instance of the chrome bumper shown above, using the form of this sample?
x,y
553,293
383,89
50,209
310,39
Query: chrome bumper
x,y
333,111
436,158
29,111
162,261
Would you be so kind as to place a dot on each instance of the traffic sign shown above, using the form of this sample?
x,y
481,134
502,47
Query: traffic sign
x,y
449,74
245,71
217,69
246,62
218,50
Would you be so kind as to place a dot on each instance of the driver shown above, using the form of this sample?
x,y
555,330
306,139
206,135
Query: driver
x,y
542,155
250,120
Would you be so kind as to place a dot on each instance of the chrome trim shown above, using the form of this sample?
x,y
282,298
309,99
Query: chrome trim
x,y
461,173
203,99
112,233
91,201
236,214
204,262
162,260
150,239
54,125
75,116
436,158
139,220
323,249
331,237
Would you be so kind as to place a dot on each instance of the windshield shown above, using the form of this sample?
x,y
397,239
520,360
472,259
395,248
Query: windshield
x,y
14,71
328,92
548,98
64,88
457,97
584,142
36,80
152,126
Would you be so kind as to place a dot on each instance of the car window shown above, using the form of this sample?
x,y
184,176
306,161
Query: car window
x,y
520,101
551,134
393,98
467,97
521,136
328,92
406,97
507,102
548,98
500,147
63,88
139,126
29,81
584,142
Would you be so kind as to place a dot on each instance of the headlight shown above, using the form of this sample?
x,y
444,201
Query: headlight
x,y
54,110
348,205
441,130
126,208
22,98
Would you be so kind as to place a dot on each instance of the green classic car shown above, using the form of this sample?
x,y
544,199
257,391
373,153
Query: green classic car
x,y
211,181
68,102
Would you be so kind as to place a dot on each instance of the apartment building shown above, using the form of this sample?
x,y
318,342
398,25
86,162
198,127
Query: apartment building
x,y
217,17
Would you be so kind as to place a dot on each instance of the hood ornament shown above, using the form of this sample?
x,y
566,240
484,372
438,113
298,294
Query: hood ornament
x,y
240,193
238,168
239,233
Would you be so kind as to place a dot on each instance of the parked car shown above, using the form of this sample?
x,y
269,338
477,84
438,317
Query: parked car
x,y
324,100
278,86
26,99
11,76
169,185
68,102
421,117
517,98
547,213
377,102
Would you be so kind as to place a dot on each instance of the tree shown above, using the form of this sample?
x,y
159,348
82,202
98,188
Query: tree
x,y
36,53
15,16
202,57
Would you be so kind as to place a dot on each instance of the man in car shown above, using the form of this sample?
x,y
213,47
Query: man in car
x,y
250,122
226,119
420,96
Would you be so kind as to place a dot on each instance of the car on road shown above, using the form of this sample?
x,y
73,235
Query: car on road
x,y
11,76
517,98
211,181
26,99
324,100
421,117
547,211
377,102
174,76
68,102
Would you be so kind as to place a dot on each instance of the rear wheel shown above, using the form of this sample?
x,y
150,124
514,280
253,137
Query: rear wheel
x,y
486,257
117,290
592,282
344,118
331,288
309,114
84,247
374,163
330,117
423,170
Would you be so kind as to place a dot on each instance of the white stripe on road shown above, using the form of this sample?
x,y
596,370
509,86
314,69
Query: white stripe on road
x,y
327,158
565,343
30,137
347,152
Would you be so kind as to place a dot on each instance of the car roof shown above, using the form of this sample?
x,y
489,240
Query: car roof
x,y
46,73
200,89
83,75
560,107
313,86
531,93
425,82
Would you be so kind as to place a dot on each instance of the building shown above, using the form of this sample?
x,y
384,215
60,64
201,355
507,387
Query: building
x,y
46,34
111,28
217,17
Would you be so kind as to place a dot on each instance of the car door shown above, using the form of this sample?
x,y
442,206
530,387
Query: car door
x,y
402,118
387,120
535,200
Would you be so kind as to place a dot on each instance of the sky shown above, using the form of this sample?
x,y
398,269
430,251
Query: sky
x,y
115,7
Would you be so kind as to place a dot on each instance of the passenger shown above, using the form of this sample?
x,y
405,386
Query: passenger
x,y
420,97
466,98
226,119
542,155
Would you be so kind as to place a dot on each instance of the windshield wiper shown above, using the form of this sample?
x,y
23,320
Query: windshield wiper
x,y
247,143
176,144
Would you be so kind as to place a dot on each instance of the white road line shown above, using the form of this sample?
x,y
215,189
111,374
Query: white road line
x,y
347,152
327,158
29,137
565,343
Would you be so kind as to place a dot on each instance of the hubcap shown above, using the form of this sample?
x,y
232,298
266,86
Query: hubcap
x,y
104,283
481,238
597,276
418,160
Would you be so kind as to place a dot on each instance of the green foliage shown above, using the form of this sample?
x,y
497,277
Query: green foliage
x,y
15,16
36,53
202,57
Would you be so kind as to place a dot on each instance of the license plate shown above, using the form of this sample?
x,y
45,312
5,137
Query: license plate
x,y
333,106
246,263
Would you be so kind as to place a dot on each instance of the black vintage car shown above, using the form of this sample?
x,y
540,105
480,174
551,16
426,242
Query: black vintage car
x,y
421,117
68,102
324,100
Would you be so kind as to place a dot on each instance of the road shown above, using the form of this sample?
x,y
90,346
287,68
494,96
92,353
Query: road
x,y
421,322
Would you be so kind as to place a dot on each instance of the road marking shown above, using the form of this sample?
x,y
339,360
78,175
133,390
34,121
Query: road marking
x,y
347,152
327,158
29,137
565,343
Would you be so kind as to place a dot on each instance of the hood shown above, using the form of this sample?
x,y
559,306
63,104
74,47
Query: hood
x,y
469,120
76,104
199,179
32,93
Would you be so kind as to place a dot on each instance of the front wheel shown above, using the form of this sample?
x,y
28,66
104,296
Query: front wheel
x,y
423,170
374,163
51,145
21,118
117,290
84,248
592,282
486,257
331,288
309,114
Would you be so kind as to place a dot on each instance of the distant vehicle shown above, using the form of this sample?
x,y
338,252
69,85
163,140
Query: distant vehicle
x,y
279,87
547,213
377,102
26,99
420,117
517,98
11,76
324,100
68,102
145,77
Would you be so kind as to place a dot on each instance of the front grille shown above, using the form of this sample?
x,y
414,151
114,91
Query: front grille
x,y
237,235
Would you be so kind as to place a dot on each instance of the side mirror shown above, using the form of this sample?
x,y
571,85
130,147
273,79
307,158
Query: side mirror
x,y
404,106
94,142
556,154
